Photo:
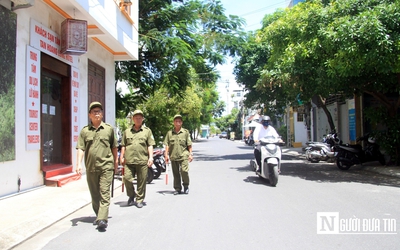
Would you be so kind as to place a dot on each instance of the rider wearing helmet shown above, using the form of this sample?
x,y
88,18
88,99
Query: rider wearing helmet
x,y
265,129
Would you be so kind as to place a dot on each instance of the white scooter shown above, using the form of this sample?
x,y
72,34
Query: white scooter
x,y
271,155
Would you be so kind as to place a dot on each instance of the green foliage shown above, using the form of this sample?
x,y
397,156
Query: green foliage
x,y
317,49
175,38
8,25
282,131
7,128
161,107
228,122
388,137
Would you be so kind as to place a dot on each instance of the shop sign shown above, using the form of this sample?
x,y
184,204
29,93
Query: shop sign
x,y
32,99
49,42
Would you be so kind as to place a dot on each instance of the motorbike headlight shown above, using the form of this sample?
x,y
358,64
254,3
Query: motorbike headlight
x,y
271,148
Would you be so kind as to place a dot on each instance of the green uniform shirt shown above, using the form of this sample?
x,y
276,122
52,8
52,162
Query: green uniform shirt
x,y
97,145
136,145
178,144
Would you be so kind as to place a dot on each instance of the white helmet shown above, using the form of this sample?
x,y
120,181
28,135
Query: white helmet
x,y
264,118
371,140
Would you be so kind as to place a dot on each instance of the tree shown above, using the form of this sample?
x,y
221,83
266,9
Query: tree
x,y
228,122
176,37
161,107
317,49
345,47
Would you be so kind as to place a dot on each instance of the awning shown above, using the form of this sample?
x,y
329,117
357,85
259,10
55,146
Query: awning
x,y
252,124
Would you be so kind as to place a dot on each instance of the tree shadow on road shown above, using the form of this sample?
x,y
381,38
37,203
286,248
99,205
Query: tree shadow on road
x,y
328,172
319,172
207,157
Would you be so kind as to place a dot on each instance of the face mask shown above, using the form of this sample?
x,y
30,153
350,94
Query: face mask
x,y
265,123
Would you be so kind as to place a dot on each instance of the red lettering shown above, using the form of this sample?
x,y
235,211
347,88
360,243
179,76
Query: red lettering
x,y
75,109
33,139
40,31
33,68
69,58
75,138
52,49
75,74
75,84
75,93
33,81
33,126
42,44
33,93
33,113
75,128
50,37
33,56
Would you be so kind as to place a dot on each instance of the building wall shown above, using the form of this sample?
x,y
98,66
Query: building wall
x,y
300,130
340,116
27,164
343,131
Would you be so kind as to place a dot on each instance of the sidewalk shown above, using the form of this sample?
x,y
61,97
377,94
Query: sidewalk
x,y
23,215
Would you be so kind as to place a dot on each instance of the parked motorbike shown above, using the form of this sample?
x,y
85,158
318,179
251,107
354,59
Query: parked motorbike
x,y
152,173
271,155
322,151
159,164
349,155
249,140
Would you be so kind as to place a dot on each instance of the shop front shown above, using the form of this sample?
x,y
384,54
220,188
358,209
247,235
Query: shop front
x,y
55,82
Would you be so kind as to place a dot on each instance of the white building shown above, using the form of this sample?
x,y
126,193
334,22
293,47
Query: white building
x,y
232,95
53,89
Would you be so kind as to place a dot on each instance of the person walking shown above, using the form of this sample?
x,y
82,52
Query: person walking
x,y
98,143
178,146
136,157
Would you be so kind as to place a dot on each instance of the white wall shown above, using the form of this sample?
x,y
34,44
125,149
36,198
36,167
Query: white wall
x,y
300,130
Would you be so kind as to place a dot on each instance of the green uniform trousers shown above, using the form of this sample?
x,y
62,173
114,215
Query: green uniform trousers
x,y
180,169
99,186
130,170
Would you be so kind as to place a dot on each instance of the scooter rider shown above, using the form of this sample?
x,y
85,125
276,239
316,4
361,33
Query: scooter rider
x,y
265,129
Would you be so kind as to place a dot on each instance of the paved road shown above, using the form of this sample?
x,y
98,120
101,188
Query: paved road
x,y
231,208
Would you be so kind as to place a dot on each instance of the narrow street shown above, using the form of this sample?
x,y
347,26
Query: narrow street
x,y
229,207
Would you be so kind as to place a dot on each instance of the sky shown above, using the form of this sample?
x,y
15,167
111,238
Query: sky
x,y
253,12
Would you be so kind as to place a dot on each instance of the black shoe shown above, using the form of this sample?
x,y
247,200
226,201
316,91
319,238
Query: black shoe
x,y
95,222
186,191
131,201
102,224
177,192
139,204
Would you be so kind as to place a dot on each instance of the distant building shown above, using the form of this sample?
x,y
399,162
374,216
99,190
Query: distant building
x,y
294,2
233,97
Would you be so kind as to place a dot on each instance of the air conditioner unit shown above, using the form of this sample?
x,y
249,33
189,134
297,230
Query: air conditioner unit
x,y
19,4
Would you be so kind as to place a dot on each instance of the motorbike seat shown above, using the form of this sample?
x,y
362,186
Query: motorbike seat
x,y
351,148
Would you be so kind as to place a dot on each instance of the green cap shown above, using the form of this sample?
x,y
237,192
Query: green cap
x,y
95,105
137,112
177,116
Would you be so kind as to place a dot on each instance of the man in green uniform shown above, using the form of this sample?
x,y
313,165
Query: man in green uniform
x,y
179,147
97,141
136,156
